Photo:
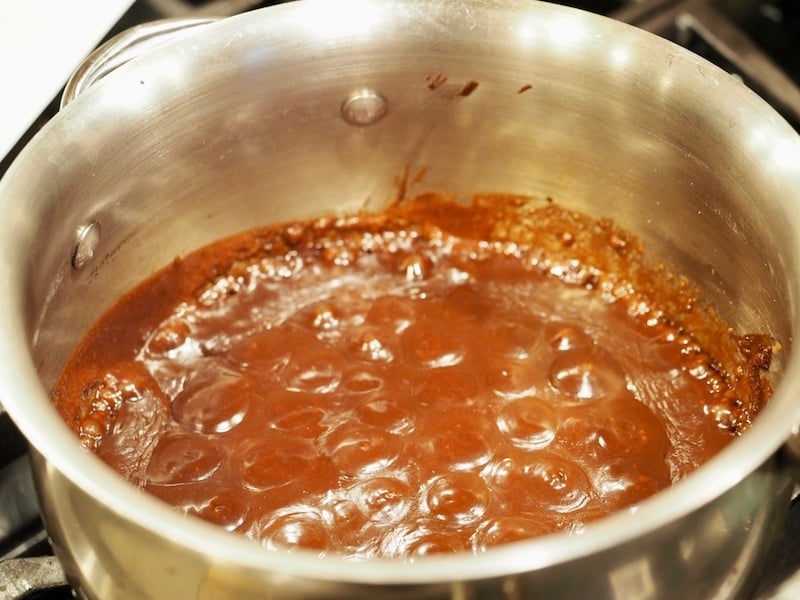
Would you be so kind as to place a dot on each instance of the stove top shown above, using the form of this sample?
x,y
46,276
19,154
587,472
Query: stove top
x,y
756,40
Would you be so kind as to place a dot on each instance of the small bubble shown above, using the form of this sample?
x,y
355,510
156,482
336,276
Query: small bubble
x,y
382,499
433,346
462,445
170,335
214,404
92,429
182,458
699,371
503,530
457,498
342,514
530,423
725,415
99,402
324,316
714,383
567,337
337,255
631,429
617,241
699,366
415,267
516,341
267,352
387,411
227,510
292,530
359,382
294,233
391,313
317,369
447,390
357,449
298,413
270,462
586,374
666,334
369,347
551,482
420,538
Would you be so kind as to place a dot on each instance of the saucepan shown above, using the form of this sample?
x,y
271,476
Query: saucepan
x,y
318,106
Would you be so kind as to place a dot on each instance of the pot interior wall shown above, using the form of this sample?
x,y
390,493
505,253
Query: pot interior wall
x,y
240,124
244,127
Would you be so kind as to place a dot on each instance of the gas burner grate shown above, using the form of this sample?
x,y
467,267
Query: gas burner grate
x,y
758,41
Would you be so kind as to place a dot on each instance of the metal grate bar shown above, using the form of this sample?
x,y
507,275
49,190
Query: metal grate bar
x,y
724,36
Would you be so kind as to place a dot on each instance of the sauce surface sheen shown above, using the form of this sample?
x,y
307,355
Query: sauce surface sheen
x,y
404,384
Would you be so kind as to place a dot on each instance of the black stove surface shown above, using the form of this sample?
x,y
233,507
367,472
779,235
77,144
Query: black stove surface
x,y
730,33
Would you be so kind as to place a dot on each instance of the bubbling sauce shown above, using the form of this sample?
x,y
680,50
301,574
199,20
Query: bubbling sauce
x,y
440,377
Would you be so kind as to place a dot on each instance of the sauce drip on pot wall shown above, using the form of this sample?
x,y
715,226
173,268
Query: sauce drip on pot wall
x,y
438,378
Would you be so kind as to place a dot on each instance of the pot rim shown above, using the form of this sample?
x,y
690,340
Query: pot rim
x,y
28,404
53,440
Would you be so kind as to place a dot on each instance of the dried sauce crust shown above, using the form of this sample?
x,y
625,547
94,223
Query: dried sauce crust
x,y
439,377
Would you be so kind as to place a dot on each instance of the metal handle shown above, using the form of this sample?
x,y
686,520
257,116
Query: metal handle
x,y
21,576
124,47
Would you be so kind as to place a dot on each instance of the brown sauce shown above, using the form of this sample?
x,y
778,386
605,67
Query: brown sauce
x,y
438,378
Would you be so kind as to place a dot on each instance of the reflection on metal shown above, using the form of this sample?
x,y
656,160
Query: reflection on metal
x,y
20,576
123,48
633,581
681,19
186,8
86,244
751,548
19,510
364,107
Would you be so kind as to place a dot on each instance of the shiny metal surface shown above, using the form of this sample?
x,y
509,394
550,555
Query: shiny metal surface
x,y
239,123
123,47
703,17
187,8
20,576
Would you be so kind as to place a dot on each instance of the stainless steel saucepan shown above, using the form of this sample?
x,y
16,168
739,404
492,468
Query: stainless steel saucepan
x,y
315,106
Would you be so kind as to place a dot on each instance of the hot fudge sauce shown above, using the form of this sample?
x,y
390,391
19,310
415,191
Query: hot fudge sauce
x,y
440,377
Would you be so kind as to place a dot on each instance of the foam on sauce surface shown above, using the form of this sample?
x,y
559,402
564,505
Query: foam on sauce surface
x,y
439,378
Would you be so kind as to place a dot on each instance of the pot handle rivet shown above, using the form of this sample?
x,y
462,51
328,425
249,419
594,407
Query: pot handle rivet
x,y
364,107
86,243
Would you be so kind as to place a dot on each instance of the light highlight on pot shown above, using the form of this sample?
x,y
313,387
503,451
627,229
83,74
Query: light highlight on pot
x,y
620,56
338,19
783,154
527,32
560,33
566,31
786,155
